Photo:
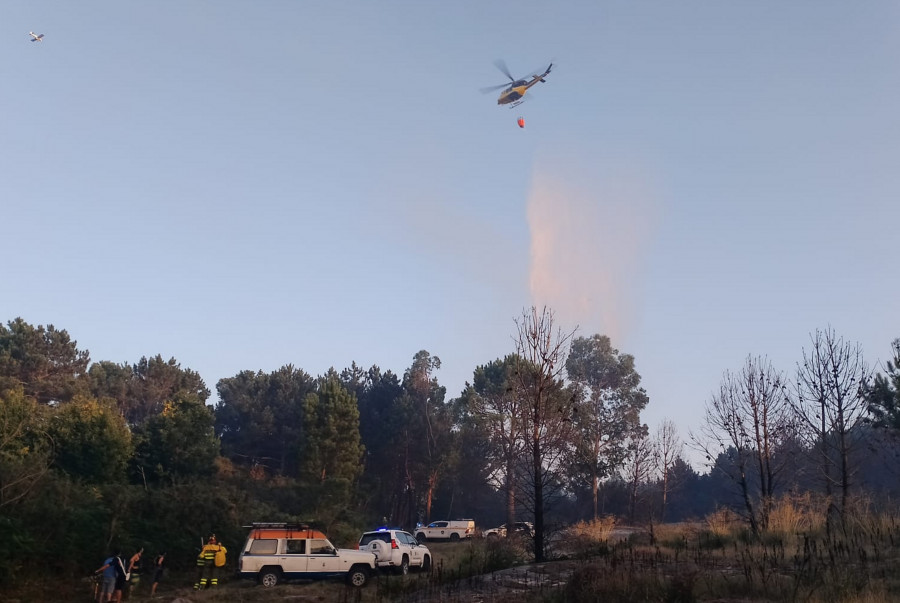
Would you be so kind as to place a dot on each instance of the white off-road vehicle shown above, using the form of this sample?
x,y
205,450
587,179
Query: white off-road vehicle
x,y
452,530
396,550
281,551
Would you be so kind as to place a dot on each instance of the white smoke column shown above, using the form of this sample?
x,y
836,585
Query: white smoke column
x,y
589,234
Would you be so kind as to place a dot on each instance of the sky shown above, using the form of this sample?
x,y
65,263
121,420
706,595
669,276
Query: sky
x,y
243,185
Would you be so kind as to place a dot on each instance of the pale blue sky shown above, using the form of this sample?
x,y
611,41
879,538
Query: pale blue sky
x,y
243,185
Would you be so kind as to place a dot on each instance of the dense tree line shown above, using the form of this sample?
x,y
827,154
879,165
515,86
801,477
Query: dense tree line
x,y
101,455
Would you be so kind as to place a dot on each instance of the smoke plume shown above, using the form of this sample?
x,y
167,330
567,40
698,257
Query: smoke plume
x,y
590,229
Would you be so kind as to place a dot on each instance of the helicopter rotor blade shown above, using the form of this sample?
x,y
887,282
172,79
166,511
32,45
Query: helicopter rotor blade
x,y
501,65
492,88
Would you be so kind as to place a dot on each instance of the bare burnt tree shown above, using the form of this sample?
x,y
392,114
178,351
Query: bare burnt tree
x,y
831,400
638,466
749,418
541,350
667,448
555,446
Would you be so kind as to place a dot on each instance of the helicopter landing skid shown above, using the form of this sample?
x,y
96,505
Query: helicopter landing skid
x,y
516,103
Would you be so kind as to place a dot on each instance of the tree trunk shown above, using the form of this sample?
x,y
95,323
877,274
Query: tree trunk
x,y
538,498
665,494
510,493
845,478
745,492
632,507
429,495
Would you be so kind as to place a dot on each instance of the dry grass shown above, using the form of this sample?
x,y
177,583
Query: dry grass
x,y
710,560
723,522
597,529
717,559
676,535
789,517
866,520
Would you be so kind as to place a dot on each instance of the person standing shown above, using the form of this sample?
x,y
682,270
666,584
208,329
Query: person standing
x,y
158,565
219,563
206,564
134,571
108,584
121,577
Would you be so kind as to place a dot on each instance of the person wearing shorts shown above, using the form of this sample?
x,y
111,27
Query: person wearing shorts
x,y
108,584
158,564
134,571
121,580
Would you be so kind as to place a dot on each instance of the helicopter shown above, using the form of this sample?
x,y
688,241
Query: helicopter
x,y
515,90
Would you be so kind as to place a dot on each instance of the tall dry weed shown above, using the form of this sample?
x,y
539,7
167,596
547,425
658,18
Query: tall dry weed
x,y
723,522
793,515
866,520
596,529
589,539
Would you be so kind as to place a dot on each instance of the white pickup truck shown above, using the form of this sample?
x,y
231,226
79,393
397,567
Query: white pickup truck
x,y
280,551
452,530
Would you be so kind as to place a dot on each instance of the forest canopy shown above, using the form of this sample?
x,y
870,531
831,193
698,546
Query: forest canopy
x,y
96,455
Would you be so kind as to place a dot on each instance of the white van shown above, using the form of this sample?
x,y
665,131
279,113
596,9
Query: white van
x,y
452,530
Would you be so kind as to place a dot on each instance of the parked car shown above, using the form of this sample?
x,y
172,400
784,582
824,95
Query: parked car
x,y
283,551
520,527
396,549
446,530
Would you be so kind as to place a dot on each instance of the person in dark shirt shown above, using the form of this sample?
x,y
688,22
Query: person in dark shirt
x,y
134,571
158,565
119,564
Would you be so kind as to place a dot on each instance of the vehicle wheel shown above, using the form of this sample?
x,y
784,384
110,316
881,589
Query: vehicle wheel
x,y
377,547
269,576
492,535
420,538
454,537
403,568
426,564
358,575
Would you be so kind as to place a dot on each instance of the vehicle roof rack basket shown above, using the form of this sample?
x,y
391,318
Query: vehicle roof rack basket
x,y
278,525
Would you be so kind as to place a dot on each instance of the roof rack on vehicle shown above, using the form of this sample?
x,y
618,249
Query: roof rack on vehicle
x,y
278,525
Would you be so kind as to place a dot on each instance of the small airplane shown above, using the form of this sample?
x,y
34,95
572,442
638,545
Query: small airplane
x,y
36,37
515,90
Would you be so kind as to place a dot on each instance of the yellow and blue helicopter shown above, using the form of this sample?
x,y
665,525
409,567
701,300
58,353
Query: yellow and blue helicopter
x,y
515,90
